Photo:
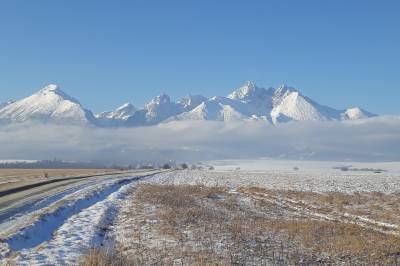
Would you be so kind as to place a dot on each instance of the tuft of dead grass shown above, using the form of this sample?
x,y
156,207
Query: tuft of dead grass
x,y
105,257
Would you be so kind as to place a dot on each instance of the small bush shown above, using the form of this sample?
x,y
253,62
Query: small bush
x,y
166,166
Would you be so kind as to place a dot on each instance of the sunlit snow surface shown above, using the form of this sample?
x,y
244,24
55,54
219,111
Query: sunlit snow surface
x,y
83,221
279,174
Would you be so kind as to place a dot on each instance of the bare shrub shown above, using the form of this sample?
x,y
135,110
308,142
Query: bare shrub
x,y
166,166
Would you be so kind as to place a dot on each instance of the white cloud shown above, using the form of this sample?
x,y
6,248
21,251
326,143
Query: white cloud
x,y
376,139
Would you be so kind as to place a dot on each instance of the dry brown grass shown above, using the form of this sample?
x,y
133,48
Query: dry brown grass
x,y
210,226
176,196
35,173
14,177
373,205
105,257
338,239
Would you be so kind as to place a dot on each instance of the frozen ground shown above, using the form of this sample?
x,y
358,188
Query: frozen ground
x,y
280,175
264,212
262,165
62,227
199,225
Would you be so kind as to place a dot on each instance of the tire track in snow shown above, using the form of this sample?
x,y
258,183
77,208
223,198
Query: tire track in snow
x,y
332,215
51,227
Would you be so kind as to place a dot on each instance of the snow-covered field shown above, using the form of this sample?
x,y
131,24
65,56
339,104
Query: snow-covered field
x,y
281,175
262,165
58,231
259,216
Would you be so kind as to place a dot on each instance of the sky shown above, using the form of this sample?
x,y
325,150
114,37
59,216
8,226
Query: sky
x,y
340,53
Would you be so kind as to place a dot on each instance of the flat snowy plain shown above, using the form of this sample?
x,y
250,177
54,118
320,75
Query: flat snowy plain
x,y
59,231
315,176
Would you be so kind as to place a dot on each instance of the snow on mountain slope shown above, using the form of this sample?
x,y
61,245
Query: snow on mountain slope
x,y
50,104
191,101
275,105
252,101
355,114
157,110
251,93
123,112
4,104
215,109
290,104
117,117
248,102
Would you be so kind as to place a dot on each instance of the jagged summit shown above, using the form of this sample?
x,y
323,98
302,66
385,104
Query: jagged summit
x,y
248,102
283,89
125,106
117,117
247,90
160,99
191,101
157,110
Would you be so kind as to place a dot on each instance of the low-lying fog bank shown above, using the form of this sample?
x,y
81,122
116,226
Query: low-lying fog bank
x,y
376,139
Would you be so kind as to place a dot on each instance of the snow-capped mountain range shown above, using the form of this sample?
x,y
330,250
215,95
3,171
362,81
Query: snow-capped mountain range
x,y
249,102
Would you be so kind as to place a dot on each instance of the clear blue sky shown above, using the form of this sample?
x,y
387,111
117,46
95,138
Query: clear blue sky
x,y
340,53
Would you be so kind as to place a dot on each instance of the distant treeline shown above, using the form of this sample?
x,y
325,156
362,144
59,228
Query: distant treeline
x,y
366,169
59,164
51,164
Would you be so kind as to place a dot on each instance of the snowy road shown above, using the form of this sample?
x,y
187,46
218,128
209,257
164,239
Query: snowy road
x,y
26,197
42,225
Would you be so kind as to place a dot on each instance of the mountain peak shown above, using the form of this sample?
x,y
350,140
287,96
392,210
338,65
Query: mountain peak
x,y
249,84
50,87
127,105
249,92
245,91
160,99
117,117
49,104
283,89
280,104
355,113
54,92
248,87
190,101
